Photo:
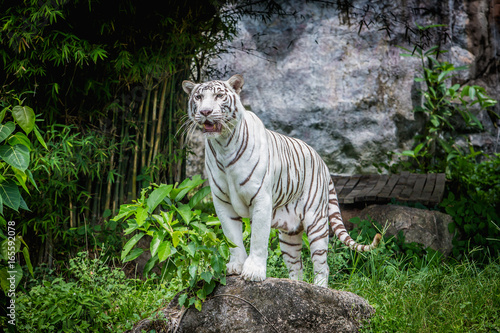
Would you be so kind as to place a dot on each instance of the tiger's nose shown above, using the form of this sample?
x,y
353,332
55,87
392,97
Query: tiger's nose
x,y
205,112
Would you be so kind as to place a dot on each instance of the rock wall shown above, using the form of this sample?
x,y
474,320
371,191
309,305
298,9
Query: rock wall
x,y
348,92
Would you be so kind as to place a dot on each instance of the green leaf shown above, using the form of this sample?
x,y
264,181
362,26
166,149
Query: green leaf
x,y
125,212
19,139
202,193
185,212
410,153
25,117
183,299
131,243
6,273
133,254
193,269
6,130
164,250
207,276
150,264
216,264
156,241
9,192
21,178
157,196
40,138
28,260
31,179
141,215
18,156
3,112
176,238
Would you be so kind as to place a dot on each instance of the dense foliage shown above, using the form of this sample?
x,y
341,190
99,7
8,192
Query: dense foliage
x,y
186,245
108,90
449,110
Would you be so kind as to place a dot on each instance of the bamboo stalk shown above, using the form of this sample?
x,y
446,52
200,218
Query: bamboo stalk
x,y
153,123
136,156
145,130
171,134
108,189
160,118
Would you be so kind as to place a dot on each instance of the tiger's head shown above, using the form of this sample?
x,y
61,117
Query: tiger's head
x,y
212,105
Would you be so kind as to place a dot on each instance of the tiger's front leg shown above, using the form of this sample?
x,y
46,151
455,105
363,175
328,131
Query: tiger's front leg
x,y
254,268
233,230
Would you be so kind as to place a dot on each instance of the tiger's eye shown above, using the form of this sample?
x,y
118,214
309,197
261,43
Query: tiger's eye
x,y
197,97
219,96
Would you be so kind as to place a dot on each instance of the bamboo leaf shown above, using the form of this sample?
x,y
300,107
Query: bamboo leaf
x,y
40,138
25,117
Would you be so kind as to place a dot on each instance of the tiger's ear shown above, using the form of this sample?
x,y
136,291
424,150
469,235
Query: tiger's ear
x,y
236,82
188,86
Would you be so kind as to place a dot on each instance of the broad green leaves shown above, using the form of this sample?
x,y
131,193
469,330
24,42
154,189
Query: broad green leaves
x,y
17,156
25,117
15,149
6,130
185,243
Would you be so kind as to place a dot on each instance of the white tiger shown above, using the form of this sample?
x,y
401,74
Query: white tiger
x,y
275,180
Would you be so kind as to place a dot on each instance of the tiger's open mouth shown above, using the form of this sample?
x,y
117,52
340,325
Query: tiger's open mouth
x,y
209,127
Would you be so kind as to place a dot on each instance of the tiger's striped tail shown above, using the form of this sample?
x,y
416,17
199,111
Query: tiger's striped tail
x,y
337,226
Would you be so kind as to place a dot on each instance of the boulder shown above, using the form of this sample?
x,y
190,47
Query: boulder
x,y
426,227
274,305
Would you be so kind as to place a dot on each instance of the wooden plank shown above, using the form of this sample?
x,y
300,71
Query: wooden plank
x,y
400,185
410,183
384,195
348,187
339,182
371,182
373,193
437,194
357,190
428,188
417,188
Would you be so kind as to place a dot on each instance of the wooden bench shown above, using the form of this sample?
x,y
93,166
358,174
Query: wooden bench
x,y
427,189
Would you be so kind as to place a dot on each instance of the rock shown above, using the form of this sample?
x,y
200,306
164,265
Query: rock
x,y
426,227
350,95
274,305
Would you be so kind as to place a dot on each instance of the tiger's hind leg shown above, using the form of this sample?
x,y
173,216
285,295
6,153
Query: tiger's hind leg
x,y
291,246
318,233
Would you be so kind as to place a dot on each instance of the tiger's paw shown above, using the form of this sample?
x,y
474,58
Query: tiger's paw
x,y
234,268
254,269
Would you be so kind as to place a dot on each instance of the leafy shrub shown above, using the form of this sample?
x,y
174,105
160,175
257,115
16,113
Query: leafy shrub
x,y
474,203
444,104
473,193
98,299
186,244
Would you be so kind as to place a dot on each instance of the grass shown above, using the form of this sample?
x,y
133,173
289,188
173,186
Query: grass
x,y
411,293
415,294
